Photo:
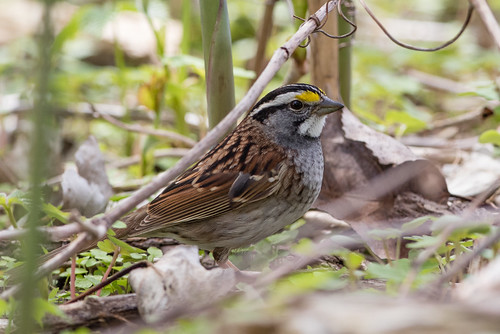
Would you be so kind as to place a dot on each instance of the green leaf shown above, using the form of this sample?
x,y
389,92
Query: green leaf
x,y
486,89
411,123
299,223
101,255
124,246
56,213
353,260
137,256
90,263
282,237
490,137
305,246
15,197
470,232
415,223
388,233
82,283
8,258
43,307
4,307
155,253
53,294
423,241
311,280
78,271
395,272
110,232
118,197
80,330
119,224
94,279
106,246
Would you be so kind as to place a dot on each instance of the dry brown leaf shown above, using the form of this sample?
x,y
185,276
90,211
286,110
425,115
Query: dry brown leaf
x,y
87,189
178,280
365,171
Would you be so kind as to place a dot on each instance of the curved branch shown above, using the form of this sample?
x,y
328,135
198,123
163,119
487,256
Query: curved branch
x,y
411,47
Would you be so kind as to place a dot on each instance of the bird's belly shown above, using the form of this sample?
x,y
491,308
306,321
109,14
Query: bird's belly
x,y
232,230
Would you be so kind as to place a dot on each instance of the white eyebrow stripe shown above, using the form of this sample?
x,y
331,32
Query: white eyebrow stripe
x,y
278,100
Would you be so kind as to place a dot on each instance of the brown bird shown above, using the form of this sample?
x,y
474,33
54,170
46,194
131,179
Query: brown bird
x,y
261,177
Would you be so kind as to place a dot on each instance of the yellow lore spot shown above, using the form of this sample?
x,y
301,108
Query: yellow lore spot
x,y
308,96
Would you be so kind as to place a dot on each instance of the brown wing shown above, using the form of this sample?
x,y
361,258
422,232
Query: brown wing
x,y
242,169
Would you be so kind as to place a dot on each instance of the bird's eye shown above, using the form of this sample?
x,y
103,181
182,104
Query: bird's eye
x,y
296,105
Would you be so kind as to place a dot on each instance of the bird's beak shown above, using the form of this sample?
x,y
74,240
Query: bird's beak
x,y
328,106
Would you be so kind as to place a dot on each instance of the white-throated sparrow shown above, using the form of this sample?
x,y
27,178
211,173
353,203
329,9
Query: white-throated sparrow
x,y
261,177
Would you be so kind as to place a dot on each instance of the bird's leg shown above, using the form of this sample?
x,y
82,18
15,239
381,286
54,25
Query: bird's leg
x,y
221,257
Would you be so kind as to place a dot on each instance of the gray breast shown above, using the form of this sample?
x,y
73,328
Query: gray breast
x,y
308,162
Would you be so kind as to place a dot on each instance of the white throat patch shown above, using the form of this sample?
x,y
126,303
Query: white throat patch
x,y
312,126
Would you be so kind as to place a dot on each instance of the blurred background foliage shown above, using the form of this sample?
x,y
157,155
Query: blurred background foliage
x,y
105,53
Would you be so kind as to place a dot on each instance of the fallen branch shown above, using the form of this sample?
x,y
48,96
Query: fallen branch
x,y
161,153
93,311
139,129
437,82
55,233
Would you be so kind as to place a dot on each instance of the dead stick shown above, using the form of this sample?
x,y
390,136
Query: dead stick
x,y
488,19
139,129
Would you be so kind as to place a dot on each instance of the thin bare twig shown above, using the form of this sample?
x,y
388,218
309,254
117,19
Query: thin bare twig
x,y
341,13
161,153
279,57
488,19
94,230
139,129
108,270
411,47
321,25
440,83
51,233
265,28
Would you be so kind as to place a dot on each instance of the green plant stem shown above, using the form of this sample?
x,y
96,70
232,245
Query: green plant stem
x,y
216,37
41,122
186,35
386,250
375,256
72,276
399,240
160,45
10,214
345,53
